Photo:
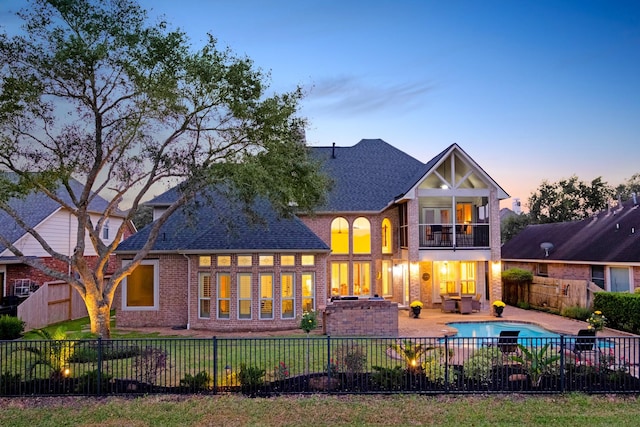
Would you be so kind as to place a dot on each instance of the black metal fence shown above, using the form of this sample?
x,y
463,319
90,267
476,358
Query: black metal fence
x,y
270,366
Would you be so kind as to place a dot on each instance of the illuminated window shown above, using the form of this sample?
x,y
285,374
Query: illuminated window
x,y
308,292
339,278
266,260
244,260
387,248
204,295
140,288
340,236
361,236
287,260
204,261
244,296
224,295
224,261
266,296
308,260
468,277
361,278
287,285
387,277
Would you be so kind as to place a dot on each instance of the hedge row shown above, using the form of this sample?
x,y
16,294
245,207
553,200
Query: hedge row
x,y
621,310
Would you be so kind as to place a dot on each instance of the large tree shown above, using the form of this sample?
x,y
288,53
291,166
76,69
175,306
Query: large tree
x,y
568,200
90,90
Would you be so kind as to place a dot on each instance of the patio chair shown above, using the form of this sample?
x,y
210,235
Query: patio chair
x,y
448,305
465,304
508,341
585,342
476,304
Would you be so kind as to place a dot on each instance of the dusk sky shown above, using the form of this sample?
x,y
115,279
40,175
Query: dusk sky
x,y
531,90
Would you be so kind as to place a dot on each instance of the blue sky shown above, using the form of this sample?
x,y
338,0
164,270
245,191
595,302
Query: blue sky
x,y
532,90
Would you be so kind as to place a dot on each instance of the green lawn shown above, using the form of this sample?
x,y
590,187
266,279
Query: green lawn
x,y
230,410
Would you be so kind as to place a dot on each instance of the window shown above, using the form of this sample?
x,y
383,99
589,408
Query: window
x,y
387,247
404,225
244,260
308,292
265,260
308,260
361,278
204,261
224,261
361,236
287,260
105,231
387,277
140,288
288,296
244,296
224,295
597,275
468,277
340,236
339,278
204,295
266,296
543,270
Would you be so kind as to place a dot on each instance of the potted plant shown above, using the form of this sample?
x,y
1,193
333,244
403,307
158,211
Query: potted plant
x,y
498,308
416,307
597,321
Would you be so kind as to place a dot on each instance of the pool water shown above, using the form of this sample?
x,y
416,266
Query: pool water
x,y
493,329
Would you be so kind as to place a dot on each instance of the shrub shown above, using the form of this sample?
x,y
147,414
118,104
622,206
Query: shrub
x,y
88,382
479,366
576,312
11,327
351,358
200,381
251,376
150,363
9,383
89,352
388,378
524,305
434,366
622,310
517,275
309,321
280,372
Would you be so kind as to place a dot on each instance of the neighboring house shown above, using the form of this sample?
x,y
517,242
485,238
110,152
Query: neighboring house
x,y
604,249
56,225
392,226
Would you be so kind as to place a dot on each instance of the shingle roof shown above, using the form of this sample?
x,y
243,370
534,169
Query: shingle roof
x,y
611,236
201,226
36,207
368,176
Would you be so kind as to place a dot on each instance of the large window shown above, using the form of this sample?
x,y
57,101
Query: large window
x,y
340,236
361,236
339,278
597,275
266,296
361,278
287,285
140,288
224,295
468,277
387,277
308,292
387,246
204,295
244,296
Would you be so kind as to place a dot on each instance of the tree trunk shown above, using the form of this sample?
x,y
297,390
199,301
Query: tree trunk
x,y
99,315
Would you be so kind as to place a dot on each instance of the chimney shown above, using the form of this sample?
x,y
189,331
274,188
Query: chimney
x,y
333,151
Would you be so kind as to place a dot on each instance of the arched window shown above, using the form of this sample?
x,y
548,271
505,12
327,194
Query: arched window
x,y
340,236
361,236
387,248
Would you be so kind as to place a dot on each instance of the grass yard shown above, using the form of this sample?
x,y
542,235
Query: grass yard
x,y
229,410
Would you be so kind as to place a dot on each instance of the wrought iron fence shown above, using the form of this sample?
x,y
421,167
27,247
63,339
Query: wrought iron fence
x,y
268,366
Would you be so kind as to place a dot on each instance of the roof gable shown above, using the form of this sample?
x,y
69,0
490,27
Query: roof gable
x,y
612,236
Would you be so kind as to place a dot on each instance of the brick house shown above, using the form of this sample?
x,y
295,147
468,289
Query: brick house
x,y
392,226
58,228
603,249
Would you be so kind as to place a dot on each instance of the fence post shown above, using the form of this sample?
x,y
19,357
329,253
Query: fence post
x,y
446,364
562,365
215,365
99,385
328,365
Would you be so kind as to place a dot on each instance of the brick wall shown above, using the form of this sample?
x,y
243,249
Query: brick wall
x,y
361,318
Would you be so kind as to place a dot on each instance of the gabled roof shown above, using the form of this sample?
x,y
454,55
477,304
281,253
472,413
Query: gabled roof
x,y
217,225
612,236
367,177
36,207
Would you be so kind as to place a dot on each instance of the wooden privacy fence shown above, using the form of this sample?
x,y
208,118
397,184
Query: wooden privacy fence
x,y
51,303
552,293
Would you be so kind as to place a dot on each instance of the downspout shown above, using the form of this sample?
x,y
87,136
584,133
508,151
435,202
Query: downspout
x,y
188,291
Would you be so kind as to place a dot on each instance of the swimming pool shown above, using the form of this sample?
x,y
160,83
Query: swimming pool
x,y
493,329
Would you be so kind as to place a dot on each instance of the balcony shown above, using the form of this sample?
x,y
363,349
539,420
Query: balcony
x,y
454,235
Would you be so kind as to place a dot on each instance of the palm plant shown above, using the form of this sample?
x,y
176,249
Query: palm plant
x,y
54,353
411,352
536,362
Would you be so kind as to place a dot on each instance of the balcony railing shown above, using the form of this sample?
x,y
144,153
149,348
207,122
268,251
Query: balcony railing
x,y
454,235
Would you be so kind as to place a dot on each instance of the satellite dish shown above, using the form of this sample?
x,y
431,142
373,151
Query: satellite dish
x,y
546,246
